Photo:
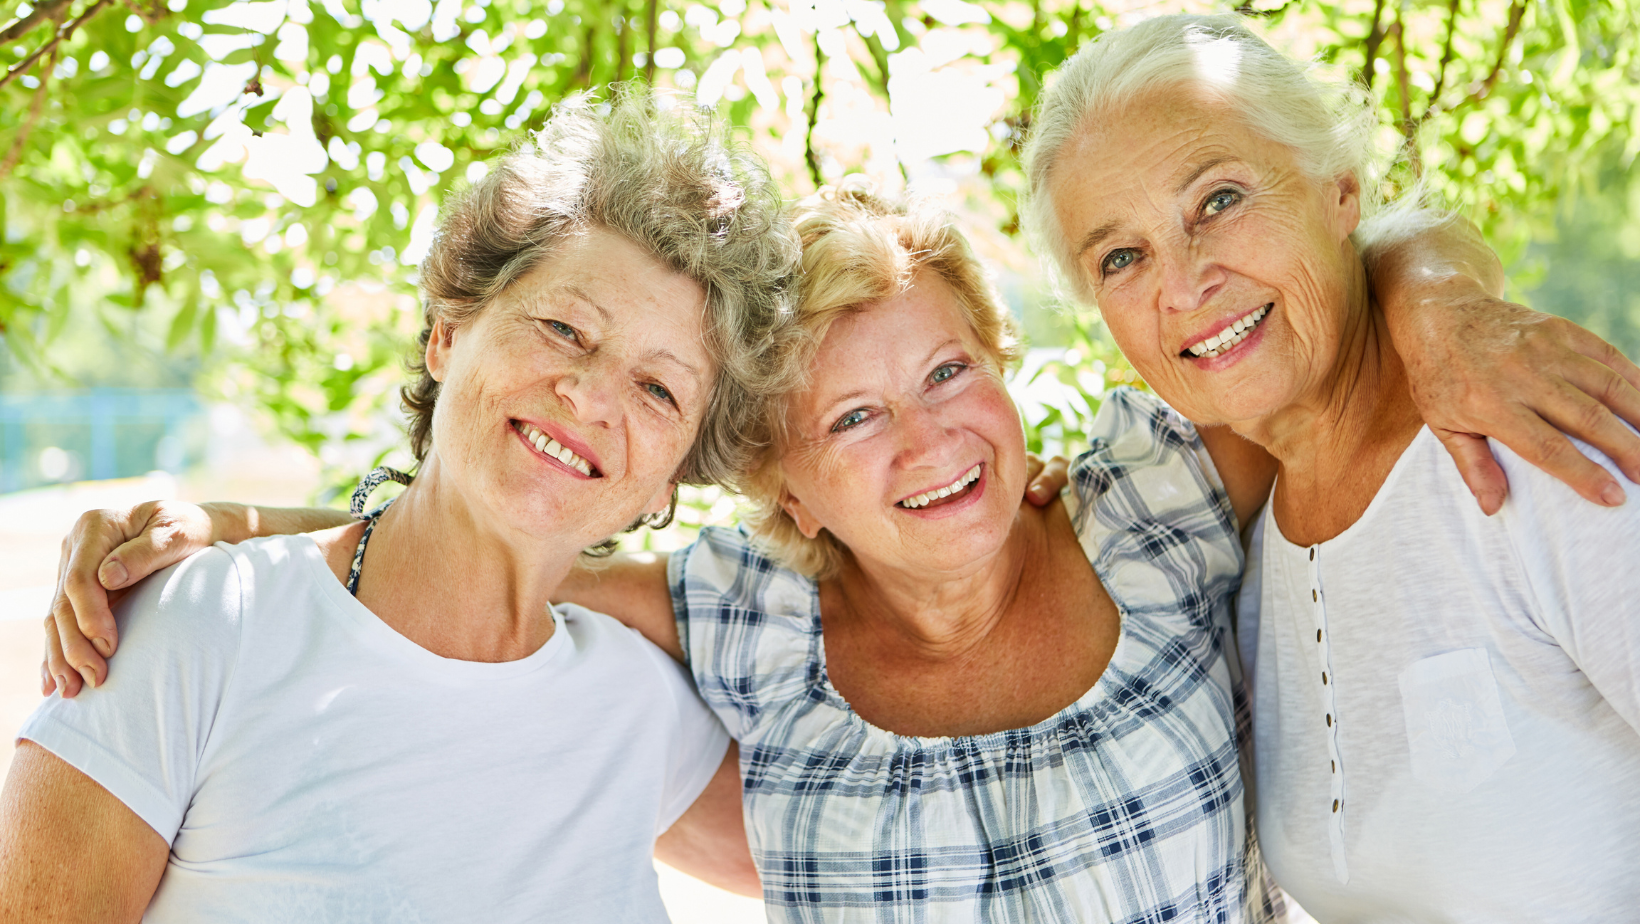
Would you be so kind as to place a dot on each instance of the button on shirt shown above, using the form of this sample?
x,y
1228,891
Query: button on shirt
x,y
1444,704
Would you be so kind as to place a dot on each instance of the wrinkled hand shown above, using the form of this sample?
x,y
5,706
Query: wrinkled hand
x,y
1526,379
105,555
1045,479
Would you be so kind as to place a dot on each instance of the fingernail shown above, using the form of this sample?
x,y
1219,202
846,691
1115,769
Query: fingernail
x,y
62,686
103,648
1491,502
90,677
112,575
1614,495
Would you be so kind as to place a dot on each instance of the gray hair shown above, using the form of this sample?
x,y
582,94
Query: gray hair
x,y
663,174
1329,124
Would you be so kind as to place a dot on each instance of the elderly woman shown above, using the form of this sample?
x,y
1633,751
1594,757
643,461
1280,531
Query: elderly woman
x,y
1446,705
303,732
951,705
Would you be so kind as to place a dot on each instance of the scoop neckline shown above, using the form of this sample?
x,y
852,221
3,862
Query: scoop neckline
x,y
979,740
1374,506
374,631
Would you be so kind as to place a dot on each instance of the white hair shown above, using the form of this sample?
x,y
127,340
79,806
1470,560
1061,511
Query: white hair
x,y
1330,125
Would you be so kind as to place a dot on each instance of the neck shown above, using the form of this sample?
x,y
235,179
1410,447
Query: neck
x,y
443,576
1337,443
939,615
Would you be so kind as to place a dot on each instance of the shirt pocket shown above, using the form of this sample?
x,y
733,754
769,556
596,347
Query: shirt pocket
x,y
1456,733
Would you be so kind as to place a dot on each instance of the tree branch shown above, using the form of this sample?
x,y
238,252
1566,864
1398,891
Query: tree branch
x,y
62,34
809,156
1409,128
1375,37
1446,58
34,109
651,18
1481,89
50,9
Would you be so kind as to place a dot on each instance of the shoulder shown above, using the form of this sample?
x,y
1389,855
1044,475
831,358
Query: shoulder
x,y
1540,505
725,570
1145,458
1148,500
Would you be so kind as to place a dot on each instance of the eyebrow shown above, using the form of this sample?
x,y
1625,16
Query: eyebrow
x,y
1196,174
667,356
1092,238
581,294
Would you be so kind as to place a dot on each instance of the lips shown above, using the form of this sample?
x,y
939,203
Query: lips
x,y
551,448
944,493
1227,336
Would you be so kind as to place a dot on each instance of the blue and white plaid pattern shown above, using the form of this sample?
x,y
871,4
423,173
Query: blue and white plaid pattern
x,y
1126,806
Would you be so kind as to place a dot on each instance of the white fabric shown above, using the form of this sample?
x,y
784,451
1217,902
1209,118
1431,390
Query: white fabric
x,y
309,764
1477,722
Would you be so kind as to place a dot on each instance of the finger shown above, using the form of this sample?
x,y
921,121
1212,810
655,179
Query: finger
x,y
158,546
1033,466
1611,357
47,682
1617,399
1047,484
65,679
1537,440
96,535
82,658
1480,471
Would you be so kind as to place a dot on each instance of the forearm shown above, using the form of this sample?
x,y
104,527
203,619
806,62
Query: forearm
x,y
234,523
709,841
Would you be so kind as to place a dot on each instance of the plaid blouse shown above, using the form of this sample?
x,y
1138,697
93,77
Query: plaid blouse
x,y
1125,806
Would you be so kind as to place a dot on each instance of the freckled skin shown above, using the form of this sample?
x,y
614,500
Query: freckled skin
x,y
1193,261
589,376
912,434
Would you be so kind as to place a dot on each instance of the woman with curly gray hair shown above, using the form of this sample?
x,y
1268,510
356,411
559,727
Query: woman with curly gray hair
x,y
302,733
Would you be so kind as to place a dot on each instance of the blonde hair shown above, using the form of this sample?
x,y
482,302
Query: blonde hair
x,y
1329,124
860,248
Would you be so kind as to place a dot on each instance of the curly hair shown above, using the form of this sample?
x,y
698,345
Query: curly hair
x,y
859,248
665,175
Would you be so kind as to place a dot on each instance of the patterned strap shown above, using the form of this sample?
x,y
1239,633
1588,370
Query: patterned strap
x,y
361,495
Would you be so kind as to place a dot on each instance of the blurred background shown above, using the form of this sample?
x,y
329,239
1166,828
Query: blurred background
x,y
213,210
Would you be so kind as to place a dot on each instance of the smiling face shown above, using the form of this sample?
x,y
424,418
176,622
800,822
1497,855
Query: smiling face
x,y
905,445
1224,272
568,403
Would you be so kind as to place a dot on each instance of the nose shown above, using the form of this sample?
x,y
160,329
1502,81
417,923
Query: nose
x,y
1189,278
925,439
591,391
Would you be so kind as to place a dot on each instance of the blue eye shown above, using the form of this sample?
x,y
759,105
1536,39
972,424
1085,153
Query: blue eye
x,y
1220,201
659,391
1117,260
852,419
945,373
564,330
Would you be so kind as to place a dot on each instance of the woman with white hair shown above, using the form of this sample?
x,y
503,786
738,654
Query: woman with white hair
x,y
1446,705
301,732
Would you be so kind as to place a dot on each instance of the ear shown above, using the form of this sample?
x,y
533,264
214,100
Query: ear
x,y
1345,192
807,523
661,500
439,343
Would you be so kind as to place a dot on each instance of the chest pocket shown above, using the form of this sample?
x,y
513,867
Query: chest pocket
x,y
1456,732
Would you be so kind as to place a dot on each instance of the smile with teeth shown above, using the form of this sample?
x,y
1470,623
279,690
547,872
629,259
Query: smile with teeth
x,y
1230,336
955,487
549,446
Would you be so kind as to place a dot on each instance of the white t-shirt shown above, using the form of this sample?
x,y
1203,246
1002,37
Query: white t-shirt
x,y
1445,705
309,764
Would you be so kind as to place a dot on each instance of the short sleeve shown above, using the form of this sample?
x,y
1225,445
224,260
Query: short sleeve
x,y
1151,512
1582,563
699,743
748,625
143,733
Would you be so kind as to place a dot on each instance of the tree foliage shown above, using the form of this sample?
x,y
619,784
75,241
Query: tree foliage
x,y
254,180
